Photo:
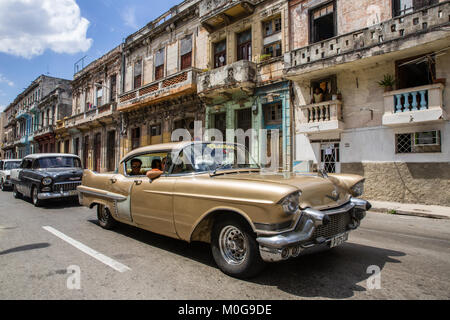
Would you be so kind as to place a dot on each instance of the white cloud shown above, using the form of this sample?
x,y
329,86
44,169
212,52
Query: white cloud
x,y
129,17
29,27
4,80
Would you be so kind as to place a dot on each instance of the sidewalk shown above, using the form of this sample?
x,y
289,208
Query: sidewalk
x,y
420,210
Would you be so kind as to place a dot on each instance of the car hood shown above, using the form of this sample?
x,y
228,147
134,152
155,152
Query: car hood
x,y
62,174
317,192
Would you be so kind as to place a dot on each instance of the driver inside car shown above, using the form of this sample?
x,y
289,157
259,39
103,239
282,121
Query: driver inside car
x,y
136,165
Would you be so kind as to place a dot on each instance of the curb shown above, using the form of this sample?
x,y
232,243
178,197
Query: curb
x,y
410,213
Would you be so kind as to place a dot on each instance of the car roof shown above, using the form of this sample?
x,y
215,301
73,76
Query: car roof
x,y
171,146
10,160
46,155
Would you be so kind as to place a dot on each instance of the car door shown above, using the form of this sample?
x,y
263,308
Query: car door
x,y
152,204
152,200
25,181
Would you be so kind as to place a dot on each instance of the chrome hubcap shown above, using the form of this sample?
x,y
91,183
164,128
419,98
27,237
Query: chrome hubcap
x,y
35,196
232,245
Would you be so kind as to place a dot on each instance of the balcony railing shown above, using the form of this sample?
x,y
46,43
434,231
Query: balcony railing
x,y
157,90
419,104
89,116
321,117
400,27
224,10
238,75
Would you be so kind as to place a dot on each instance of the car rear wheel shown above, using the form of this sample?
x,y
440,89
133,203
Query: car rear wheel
x,y
16,194
104,217
34,197
235,249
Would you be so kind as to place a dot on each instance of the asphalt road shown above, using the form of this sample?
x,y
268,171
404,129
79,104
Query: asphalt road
x,y
412,254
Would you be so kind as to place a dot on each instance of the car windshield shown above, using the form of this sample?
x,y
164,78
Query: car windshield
x,y
59,162
12,165
213,157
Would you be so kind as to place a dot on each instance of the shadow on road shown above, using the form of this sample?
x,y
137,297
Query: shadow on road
x,y
324,273
26,248
317,273
197,251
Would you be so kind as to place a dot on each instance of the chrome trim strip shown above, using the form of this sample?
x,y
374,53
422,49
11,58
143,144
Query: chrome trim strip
x,y
56,195
191,195
107,195
71,182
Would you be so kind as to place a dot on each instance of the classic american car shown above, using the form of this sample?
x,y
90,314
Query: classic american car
x,y
47,176
5,172
214,192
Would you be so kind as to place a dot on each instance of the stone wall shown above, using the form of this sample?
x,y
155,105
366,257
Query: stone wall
x,y
427,183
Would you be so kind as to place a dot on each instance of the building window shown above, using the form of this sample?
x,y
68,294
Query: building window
x,y
402,7
159,64
135,138
415,72
244,45
323,22
273,49
323,89
186,52
273,113
271,27
113,88
99,95
155,130
418,142
137,74
88,104
220,54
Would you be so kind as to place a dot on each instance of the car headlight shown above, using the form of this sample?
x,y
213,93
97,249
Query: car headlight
x,y
47,181
358,189
291,203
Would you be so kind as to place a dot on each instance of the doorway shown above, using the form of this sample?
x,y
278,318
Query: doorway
x,y
97,151
111,151
330,157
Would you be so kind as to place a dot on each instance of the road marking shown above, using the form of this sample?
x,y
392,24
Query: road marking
x,y
97,255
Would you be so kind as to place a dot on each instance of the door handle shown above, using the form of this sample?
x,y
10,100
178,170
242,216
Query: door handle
x,y
138,182
113,180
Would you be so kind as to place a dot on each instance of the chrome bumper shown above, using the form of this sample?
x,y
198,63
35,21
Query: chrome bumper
x,y
57,195
289,244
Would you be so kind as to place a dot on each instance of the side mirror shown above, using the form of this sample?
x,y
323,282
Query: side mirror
x,y
152,175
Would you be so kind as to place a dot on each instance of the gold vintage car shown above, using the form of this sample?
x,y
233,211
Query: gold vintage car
x,y
214,192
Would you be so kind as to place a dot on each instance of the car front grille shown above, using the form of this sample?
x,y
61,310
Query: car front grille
x,y
338,224
64,187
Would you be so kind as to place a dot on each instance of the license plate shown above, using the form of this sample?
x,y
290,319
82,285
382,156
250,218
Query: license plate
x,y
338,240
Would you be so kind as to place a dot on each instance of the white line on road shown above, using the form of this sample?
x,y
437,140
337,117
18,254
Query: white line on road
x,y
100,257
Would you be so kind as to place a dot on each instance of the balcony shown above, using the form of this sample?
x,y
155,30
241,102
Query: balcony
x,y
22,113
321,117
47,130
414,106
236,77
218,13
89,118
400,33
181,83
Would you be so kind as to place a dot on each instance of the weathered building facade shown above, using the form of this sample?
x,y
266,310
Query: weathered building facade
x,y
161,64
25,118
91,131
2,133
346,122
244,86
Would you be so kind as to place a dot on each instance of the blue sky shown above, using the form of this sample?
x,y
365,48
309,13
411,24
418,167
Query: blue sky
x,y
49,36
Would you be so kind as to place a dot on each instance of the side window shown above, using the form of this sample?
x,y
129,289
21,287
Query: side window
x,y
35,164
1,165
183,163
140,165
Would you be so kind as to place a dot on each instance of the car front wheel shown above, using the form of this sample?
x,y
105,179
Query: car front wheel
x,y
34,196
104,217
16,194
235,249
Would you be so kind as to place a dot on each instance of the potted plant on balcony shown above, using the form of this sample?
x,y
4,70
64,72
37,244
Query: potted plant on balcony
x,y
387,83
265,57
